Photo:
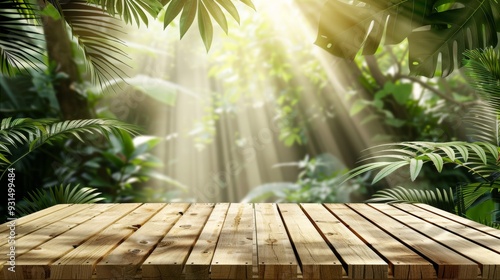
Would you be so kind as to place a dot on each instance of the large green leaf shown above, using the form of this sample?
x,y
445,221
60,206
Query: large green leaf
x,y
432,28
206,10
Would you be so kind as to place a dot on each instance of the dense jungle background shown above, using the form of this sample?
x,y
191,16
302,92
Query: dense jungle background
x,y
229,101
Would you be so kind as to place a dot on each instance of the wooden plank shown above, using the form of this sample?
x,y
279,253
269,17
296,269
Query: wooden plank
x,y
32,224
464,231
489,261
450,265
80,262
125,260
486,229
83,212
168,258
35,264
315,256
41,234
233,254
404,263
360,261
275,254
198,263
34,216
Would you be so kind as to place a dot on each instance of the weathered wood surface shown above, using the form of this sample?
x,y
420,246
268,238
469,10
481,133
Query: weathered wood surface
x,y
249,241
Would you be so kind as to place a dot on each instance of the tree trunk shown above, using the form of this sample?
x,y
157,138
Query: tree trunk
x,y
72,104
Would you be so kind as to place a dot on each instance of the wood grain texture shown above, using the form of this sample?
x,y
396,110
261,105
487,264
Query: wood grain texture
x,y
450,264
275,256
36,263
168,258
155,241
316,258
20,222
404,263
125,261
234,252
485,257
80,262
198,263
360,260
486,229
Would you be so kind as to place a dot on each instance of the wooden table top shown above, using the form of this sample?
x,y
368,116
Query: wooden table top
x,y
248,241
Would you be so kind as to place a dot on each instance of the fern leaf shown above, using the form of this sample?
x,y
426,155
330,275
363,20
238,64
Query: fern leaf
x,y
440,198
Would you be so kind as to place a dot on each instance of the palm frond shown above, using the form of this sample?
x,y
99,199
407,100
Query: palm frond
x,y
131,10
479,158
14,132
442,199
41,198
20,42
93,28
482,124
35,133
475,193
483,70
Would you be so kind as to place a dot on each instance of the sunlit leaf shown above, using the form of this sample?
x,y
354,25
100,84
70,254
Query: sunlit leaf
x,y
479,151
437,160
415,167
248,3
188,15
388,170
217,14
205,26
463,151
229,6
174,8
448,151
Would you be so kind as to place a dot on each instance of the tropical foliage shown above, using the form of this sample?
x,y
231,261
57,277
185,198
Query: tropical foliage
x,y
44,198
432,28
118,168
19,137
479,156
95,26
440,198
